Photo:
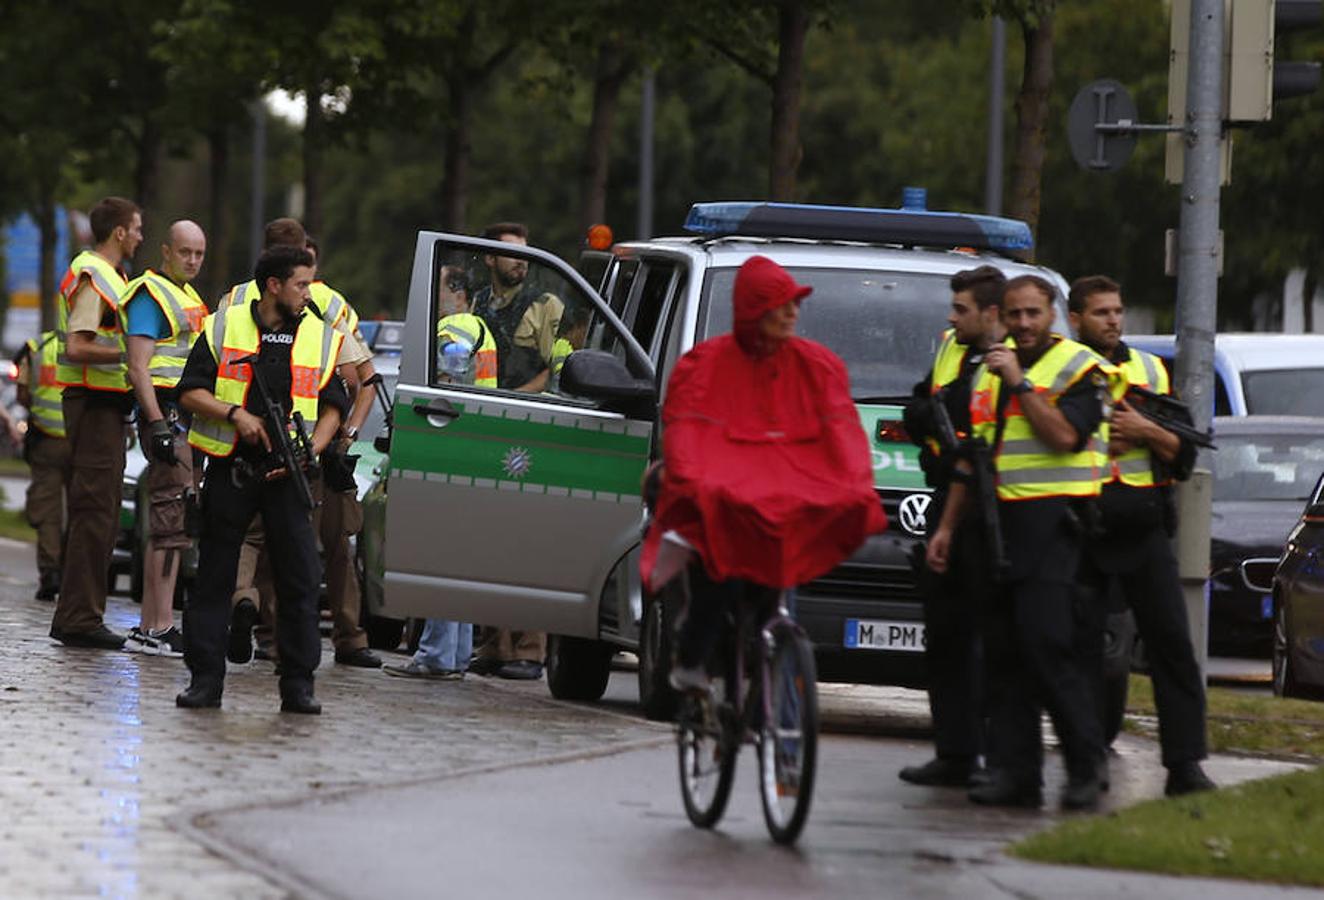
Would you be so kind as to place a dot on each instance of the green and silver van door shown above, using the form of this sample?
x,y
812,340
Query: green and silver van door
x,y
507,504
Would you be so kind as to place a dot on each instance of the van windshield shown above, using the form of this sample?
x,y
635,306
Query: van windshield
x,y
1284,392
884,325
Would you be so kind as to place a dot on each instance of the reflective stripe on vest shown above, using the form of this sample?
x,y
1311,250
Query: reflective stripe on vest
x,y
1135,467
328,303
1027,468
47,410
469,328
106,280
184,312
233,335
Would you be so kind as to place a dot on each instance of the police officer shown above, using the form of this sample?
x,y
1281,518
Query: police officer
x,y
47,453
96,398
1037,406
1140,460
952,648
296,354
163,315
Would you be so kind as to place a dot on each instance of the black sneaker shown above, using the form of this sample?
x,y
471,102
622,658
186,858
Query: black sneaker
x,y
520,670
1002,790
242,619
164,643
484,665
99,638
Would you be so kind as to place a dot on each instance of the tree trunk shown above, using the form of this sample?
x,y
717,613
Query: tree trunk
x,y
596,165
455,176
219,228
1032,121
45,216
147,172
792,26
314,134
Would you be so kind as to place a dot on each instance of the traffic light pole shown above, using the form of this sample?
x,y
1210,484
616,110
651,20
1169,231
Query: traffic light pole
x,y
1197,294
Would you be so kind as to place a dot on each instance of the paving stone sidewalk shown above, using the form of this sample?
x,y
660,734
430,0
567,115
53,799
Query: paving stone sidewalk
x,y
95,760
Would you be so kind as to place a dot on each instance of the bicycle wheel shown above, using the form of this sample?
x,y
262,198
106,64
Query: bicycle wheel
x,y
788,738
707,757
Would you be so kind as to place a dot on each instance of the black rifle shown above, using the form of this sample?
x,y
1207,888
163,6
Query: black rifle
x,y
291,452
981,484
382,442
1168,413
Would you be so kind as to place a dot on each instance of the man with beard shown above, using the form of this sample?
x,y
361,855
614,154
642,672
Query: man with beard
x,y
951,609
1038,406
163,315
296,354
96,396
524,323
1140,460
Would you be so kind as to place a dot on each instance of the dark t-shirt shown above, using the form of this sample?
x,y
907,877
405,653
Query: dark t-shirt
x,y
273,360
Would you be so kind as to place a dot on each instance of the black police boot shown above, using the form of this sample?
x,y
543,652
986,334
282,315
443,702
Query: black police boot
x,y
1187,778
48,588
199,695
940,772
1082,792
300,700
1005,790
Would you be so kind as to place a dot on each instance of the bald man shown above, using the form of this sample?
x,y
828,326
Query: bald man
x,y
163,316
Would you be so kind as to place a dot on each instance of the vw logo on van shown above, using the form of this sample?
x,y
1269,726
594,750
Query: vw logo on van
x,y
911,513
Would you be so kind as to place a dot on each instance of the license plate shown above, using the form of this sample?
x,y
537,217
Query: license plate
x,y
872,634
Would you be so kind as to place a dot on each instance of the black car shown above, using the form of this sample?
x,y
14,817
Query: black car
x,y
1294,585
1264,470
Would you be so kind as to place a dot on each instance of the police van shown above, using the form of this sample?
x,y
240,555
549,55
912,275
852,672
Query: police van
x,y
524,509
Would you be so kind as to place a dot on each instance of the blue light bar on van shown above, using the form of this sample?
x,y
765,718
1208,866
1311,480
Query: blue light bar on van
x,y
854,223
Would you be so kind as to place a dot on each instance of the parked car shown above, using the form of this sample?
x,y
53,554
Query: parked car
x,y
523,509
1258,374
1264,469
1294,585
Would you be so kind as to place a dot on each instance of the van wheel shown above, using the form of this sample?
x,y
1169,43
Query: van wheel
x,y
577,668
656,696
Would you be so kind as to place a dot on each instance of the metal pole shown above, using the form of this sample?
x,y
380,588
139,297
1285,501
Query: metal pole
x,y
1197,293
997,73
258,188
647,109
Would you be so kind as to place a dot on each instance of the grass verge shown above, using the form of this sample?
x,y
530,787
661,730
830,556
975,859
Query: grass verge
x,y
1241,722
13,525
1262,831
13,466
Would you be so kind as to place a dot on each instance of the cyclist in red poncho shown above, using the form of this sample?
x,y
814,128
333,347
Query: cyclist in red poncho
x,y
767,475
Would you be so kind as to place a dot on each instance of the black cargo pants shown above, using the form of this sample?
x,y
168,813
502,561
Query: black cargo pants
x,y
227,509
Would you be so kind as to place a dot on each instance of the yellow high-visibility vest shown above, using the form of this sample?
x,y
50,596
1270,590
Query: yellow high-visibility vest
x,y
47,410
233,335
330,304
947,362
473,331
1027,468
1135,467
184,311
107,281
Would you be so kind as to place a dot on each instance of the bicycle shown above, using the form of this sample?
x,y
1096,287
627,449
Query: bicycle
x,y
777,711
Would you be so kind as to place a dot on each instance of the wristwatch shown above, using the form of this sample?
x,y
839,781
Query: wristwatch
x,y
352,434
1025,387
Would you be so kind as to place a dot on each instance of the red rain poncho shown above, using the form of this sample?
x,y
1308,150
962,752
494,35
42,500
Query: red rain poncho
x,y
767,472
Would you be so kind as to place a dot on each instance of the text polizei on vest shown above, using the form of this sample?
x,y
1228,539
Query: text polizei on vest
x,y
278,337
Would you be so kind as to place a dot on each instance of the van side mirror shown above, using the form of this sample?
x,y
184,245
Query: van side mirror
x,y
1257,573
601,376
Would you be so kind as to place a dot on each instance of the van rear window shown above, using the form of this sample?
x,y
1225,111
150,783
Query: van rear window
x,y
1284,392
884,325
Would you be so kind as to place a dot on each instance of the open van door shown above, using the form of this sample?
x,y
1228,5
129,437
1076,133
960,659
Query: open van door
x,y
509,505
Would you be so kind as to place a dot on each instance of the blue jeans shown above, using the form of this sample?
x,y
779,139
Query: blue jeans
x,y
445,645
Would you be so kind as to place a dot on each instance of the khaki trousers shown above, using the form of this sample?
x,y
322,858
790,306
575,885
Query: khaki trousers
x,y
48,459
94,421
507,646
